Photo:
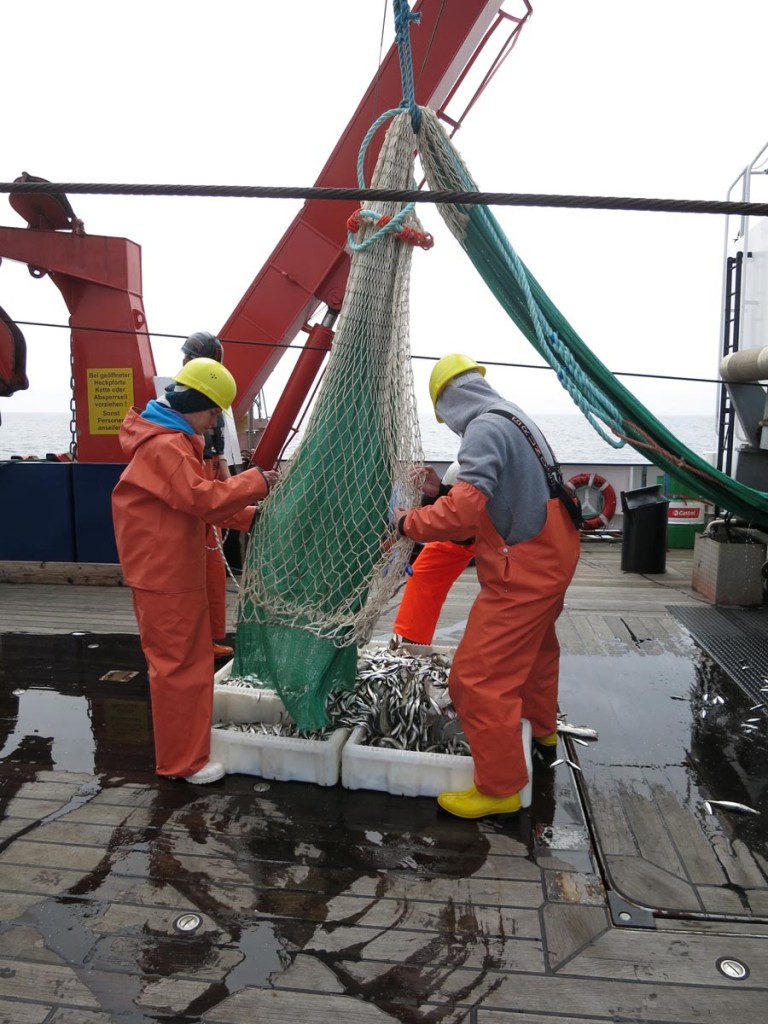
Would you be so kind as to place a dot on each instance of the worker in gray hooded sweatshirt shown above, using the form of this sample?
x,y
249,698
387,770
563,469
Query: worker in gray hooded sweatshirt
x,y
508,496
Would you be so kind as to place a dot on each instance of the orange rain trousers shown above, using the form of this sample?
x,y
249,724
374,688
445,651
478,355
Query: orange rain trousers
x,y
507,665
161,506
176,640
435,570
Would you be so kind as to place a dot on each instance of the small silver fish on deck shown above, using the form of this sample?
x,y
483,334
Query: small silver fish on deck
x,y
564,760
729,805
582,731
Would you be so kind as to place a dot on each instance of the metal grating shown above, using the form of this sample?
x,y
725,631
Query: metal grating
x,y
736,638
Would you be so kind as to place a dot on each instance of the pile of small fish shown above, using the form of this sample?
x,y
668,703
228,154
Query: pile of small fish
x,y
402,701
400,698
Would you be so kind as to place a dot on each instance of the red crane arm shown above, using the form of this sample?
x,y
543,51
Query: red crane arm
x,y
309,265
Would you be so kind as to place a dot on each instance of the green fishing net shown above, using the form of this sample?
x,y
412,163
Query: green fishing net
x,y
321,563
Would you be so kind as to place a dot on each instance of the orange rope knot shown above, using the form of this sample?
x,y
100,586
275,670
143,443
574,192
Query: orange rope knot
x,y
406,234
353,223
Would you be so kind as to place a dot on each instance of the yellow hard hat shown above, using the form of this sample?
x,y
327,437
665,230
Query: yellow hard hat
x,y
445,370
211,379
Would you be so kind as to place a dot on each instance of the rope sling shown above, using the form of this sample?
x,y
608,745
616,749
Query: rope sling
x,y
320,568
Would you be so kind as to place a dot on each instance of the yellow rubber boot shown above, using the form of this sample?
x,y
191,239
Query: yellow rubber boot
x,y
544,749
471,803
550,740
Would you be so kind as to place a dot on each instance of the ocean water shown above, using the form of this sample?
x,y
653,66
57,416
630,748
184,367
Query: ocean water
x,y
572,438
32,433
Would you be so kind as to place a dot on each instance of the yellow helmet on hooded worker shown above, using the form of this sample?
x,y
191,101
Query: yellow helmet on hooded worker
x,y
211,379
445,370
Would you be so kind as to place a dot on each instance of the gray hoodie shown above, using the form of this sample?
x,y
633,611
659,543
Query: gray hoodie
x,y
496,457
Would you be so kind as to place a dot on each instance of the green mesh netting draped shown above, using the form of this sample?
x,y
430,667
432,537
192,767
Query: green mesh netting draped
x,y
593,387
318,570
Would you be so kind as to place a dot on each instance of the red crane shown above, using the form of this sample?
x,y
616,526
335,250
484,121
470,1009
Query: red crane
x,y
100,277
309,266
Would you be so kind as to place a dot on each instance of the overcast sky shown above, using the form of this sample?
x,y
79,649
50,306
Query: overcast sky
x,y
650,98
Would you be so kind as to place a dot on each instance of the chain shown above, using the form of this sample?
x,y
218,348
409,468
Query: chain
x,y
219,546
72,406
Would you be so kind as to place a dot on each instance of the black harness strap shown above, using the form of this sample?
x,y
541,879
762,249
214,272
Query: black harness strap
x,y
557,488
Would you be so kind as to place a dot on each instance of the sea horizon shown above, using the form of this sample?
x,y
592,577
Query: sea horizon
x,y
572,438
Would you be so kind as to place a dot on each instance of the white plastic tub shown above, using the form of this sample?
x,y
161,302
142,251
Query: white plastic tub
x,y
243,704
284,758
412,773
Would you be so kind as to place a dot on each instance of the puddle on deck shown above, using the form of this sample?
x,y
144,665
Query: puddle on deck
x,y
384,899
675,733
56,711
67,705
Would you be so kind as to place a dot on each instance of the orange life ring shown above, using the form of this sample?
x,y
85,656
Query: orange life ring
x,y
599,506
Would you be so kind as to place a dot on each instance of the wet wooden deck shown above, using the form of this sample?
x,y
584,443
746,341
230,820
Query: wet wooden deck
x,y
340,905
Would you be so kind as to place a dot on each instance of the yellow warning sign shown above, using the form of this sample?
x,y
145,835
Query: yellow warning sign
x,y
110,396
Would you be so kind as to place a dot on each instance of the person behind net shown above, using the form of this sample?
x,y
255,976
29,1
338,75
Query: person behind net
x,y
161,506
437,567
506,666
203,344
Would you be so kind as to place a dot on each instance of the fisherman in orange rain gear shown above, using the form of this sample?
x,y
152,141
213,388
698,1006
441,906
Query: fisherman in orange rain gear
x,y
434,571
161,505
203,344
526,550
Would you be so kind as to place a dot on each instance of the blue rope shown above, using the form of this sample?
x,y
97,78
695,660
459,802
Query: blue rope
x,y
403,19
592,402
396,223
589,399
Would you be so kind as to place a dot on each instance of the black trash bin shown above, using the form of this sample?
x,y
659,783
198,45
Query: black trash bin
x,y
644,533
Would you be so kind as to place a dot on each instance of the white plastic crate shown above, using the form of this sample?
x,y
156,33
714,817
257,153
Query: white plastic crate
x,y
413,773
284,758
245,703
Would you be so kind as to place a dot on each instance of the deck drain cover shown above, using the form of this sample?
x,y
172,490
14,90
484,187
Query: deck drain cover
x,y
733,969
736,638
187,923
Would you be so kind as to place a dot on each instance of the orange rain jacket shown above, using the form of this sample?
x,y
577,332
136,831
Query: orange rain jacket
x,y
162,502
160,507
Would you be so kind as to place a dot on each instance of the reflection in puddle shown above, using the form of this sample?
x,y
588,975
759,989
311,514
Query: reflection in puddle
x,y
658,759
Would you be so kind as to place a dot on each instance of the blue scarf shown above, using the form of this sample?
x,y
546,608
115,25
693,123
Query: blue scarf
x,y
164,416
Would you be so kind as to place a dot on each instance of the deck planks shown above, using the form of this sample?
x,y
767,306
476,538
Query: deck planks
x,y
478,932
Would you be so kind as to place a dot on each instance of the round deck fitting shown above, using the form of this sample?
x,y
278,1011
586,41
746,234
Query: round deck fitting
x,y
733,969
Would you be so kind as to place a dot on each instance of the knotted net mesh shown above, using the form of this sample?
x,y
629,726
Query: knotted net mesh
x,y
321,563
